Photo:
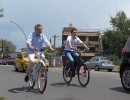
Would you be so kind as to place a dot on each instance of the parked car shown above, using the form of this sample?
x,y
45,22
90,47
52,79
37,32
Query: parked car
x,y
21,62
125,66
2,62
99,62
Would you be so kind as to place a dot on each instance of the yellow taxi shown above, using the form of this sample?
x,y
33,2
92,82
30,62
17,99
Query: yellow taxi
x,y
21,62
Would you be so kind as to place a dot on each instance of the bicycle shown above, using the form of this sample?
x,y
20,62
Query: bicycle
x,y
39,73
79,67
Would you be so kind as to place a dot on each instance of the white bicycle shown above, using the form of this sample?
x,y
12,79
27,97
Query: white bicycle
x,y
39,73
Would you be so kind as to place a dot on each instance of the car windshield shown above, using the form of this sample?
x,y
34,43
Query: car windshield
x,y
25,55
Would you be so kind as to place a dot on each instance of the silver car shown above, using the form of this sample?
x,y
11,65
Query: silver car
x,y
99,62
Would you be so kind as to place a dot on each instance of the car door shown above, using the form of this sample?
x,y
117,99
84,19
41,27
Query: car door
x,y
18,60
96,62
92,62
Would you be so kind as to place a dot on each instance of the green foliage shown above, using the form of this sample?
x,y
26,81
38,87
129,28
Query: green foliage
x,y
114,58
57,52
7,46
114,40
121,23
1,13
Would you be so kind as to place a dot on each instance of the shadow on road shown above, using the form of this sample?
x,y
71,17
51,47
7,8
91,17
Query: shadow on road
x,y
63,84
18,71
24,89
120,89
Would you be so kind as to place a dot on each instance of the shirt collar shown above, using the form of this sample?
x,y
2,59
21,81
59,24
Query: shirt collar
x,y
36,35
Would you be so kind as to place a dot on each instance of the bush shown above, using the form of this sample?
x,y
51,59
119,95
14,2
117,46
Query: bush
x,y
114,58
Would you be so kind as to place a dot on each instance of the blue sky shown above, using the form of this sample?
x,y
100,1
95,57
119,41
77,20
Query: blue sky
x,y
54,15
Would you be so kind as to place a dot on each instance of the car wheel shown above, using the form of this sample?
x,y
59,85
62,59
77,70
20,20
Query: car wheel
x,y
22,68
125,78
97,68
47,68
15,67
110,70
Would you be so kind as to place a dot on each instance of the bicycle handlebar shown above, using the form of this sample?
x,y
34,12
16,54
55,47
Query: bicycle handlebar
x,y
82,50
41,50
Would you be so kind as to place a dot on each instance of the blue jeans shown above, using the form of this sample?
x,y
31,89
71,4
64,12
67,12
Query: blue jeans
x,y
71,55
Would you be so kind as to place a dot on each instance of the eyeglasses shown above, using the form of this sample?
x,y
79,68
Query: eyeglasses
x,y
74,32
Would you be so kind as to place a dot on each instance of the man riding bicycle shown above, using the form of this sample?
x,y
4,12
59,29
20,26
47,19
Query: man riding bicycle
x,y
71,46
35,41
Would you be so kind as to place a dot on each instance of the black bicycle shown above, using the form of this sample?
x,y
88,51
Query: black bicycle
x,y
79,67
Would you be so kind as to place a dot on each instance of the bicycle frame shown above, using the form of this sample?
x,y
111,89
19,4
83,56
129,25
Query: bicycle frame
x,y
78,68
41,60
39,73
78,61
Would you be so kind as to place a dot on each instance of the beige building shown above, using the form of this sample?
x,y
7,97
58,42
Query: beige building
x,y
90,37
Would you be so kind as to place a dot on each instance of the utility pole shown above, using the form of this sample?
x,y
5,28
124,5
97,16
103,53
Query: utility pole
x,y
54,62
55,40
50,54
2,48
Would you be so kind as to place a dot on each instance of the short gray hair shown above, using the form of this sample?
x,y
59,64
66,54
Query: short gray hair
x,y
37,25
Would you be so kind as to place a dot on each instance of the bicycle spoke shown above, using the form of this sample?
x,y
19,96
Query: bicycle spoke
x,y
42,79
83,75
31,79
66,75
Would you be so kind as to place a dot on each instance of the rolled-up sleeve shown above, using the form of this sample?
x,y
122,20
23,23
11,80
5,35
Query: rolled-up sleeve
x,y
45,40
29,39
79,41
68,38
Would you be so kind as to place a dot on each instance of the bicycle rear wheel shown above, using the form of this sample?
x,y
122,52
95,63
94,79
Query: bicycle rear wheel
x,y
67,78
42,78
83,75
31,79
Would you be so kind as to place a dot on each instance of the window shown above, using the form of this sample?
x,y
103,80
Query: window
x,y
96,59
93,38
25,55
19,56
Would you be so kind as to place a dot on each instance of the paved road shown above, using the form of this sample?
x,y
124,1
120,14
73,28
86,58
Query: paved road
x,y
102,86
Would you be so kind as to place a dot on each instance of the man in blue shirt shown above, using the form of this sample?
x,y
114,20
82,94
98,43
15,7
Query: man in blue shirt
x,y
35,41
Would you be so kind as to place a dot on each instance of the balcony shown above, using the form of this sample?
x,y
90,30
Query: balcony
x,y
91,42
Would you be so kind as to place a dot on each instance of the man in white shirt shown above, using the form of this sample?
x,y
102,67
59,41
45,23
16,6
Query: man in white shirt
x,y
35,41
71,46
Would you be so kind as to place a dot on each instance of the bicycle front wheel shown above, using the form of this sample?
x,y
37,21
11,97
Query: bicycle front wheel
x,y
31,79
66,76
83,75
42,78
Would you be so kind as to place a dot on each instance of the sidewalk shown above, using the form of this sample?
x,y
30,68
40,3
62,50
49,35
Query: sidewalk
x,y
116,69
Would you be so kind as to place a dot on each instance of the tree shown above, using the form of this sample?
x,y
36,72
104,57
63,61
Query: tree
x,y
1,13
121,23
7,46
57,52
114,40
